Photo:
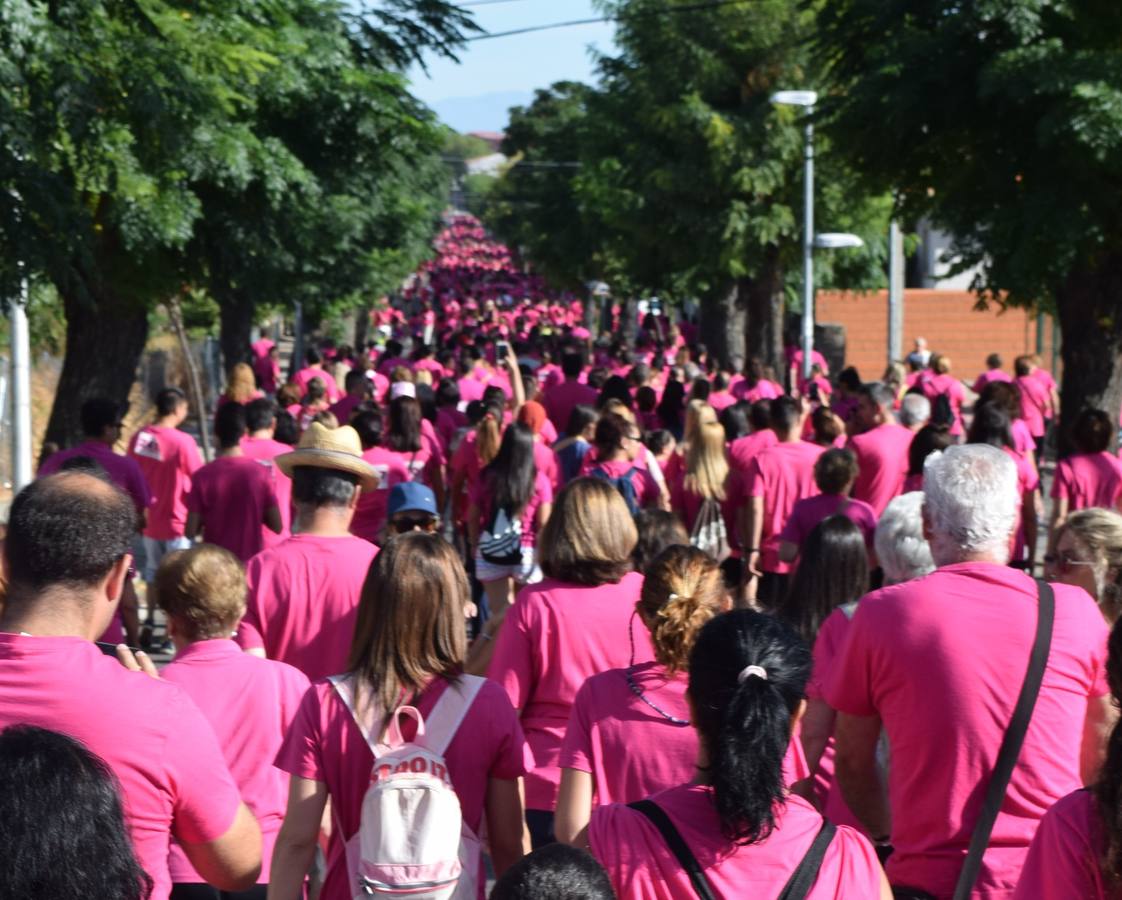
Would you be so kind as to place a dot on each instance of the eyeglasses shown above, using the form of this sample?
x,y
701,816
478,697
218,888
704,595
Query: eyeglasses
x,y
403,524
1063,563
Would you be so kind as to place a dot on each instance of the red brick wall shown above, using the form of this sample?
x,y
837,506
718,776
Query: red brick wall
x,y
947,319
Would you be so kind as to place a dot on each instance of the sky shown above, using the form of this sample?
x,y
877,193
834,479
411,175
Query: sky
x,y
498,73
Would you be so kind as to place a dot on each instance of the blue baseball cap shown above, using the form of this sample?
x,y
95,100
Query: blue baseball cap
x,y
411,497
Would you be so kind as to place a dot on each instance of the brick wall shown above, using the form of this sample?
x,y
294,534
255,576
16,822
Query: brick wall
x,y
947,319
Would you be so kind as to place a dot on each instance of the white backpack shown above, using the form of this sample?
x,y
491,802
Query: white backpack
x,y
412,839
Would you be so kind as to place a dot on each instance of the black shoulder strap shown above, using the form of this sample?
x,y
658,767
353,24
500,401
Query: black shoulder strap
x,y
677,846
1011,743
803,878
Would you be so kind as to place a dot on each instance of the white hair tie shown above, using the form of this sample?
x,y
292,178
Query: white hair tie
x,y
748,671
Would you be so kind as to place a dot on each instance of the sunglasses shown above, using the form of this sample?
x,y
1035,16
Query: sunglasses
x,y
403,524
1064,562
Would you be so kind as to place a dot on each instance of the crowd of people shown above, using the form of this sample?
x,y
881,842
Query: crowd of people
x,y
597,618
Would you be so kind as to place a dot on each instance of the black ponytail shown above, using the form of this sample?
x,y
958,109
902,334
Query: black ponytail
x,y
745,722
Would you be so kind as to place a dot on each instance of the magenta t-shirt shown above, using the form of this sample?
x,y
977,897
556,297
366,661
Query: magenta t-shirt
x,y
1089,479
123,470
561,398
940,660
231,494
882,456
642,867
168,458
1063,861
934,385
1036,402
741,452
264,451
554,637
647,490
810,511
631,750
324,744
783,475
301,379
370,515
174,779
303,601
249,703
989,376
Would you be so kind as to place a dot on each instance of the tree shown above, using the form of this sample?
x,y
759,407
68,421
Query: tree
x,y
1002,122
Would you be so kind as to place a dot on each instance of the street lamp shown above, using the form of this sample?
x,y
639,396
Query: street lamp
x,y
828,241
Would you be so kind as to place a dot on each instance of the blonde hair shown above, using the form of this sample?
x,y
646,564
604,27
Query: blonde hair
x,y
697,413
589,536
203,590
619,408
682,590
423,376
242,385
1100,532
401,373
941,364
707,466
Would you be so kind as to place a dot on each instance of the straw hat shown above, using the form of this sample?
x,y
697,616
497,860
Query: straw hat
x,y
330,448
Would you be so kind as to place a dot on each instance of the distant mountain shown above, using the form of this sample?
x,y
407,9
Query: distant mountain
x,y
485,112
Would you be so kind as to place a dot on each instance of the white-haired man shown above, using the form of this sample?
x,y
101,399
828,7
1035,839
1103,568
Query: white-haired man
x,y
938,663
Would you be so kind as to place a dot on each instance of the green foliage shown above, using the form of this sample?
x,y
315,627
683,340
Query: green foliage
x,y
1002,121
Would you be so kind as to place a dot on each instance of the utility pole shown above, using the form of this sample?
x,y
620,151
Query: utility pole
x,y
895,292
21,389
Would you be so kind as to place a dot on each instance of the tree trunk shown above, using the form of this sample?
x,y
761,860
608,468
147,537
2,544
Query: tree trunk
x,y
764,300
194,383
723,321
362,329
236,312
104,343
1090,313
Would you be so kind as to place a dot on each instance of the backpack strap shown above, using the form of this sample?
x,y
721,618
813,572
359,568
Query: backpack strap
x,y
806,873
345,688
1011,743
677,844
444,721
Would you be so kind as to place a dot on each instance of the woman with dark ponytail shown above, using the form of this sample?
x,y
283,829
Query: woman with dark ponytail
x,y
1077,850
747,834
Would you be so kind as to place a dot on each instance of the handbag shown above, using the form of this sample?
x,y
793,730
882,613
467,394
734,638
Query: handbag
x,y
798,885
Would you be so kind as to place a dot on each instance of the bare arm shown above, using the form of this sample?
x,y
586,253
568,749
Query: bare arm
x,y
516,385
296,844
505,822
1059,516
754,527
574,805
1101,716
1028,521
194,526
858,774
231,862
816,729
473,525
545,510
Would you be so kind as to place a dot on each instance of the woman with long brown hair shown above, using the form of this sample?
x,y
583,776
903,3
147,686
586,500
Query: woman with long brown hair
x,y
408,651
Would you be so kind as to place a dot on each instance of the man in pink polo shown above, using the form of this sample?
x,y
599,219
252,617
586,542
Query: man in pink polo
x,y
560,399
776,480
259,444
303,593
314,369
67,556
881,448
938,662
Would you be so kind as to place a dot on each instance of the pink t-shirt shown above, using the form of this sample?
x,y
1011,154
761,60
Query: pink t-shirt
x,y
631,750
561,398
1089,479
303,601
967,630
123,470
249,703
343,408
1036,403
1023,441
471,388
761,390
449,420
827,793
647,490
935,384
989,376
174,780
783,475
264,451
421,465
808,512
882,456
301,379
370,516
231,495
554,637
1063,861
642,867
324,744
546,461
480,497
741,452
168,458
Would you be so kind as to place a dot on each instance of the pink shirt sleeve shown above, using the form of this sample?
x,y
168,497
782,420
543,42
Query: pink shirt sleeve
x,y
848,687
1061,484
1062,861
576,749
190,459
206,798
512,666
753,482
301,753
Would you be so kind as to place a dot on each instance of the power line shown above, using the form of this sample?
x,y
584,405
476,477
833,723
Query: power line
x,y
690,7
